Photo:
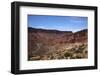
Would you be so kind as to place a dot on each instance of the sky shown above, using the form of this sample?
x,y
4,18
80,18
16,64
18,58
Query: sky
x,y
62,23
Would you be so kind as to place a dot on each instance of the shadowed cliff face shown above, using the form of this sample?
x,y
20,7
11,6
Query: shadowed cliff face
x,y
45,42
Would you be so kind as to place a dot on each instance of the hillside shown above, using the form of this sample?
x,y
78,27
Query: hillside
x,y
46,44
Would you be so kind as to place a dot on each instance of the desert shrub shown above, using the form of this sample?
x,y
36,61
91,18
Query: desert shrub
x,y
78,56
61,57
51,57
67,54
86,51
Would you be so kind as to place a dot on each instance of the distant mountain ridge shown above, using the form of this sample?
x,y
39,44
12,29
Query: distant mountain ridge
x,y
47,30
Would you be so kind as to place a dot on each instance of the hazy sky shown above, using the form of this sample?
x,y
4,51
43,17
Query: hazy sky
x,y
62,23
